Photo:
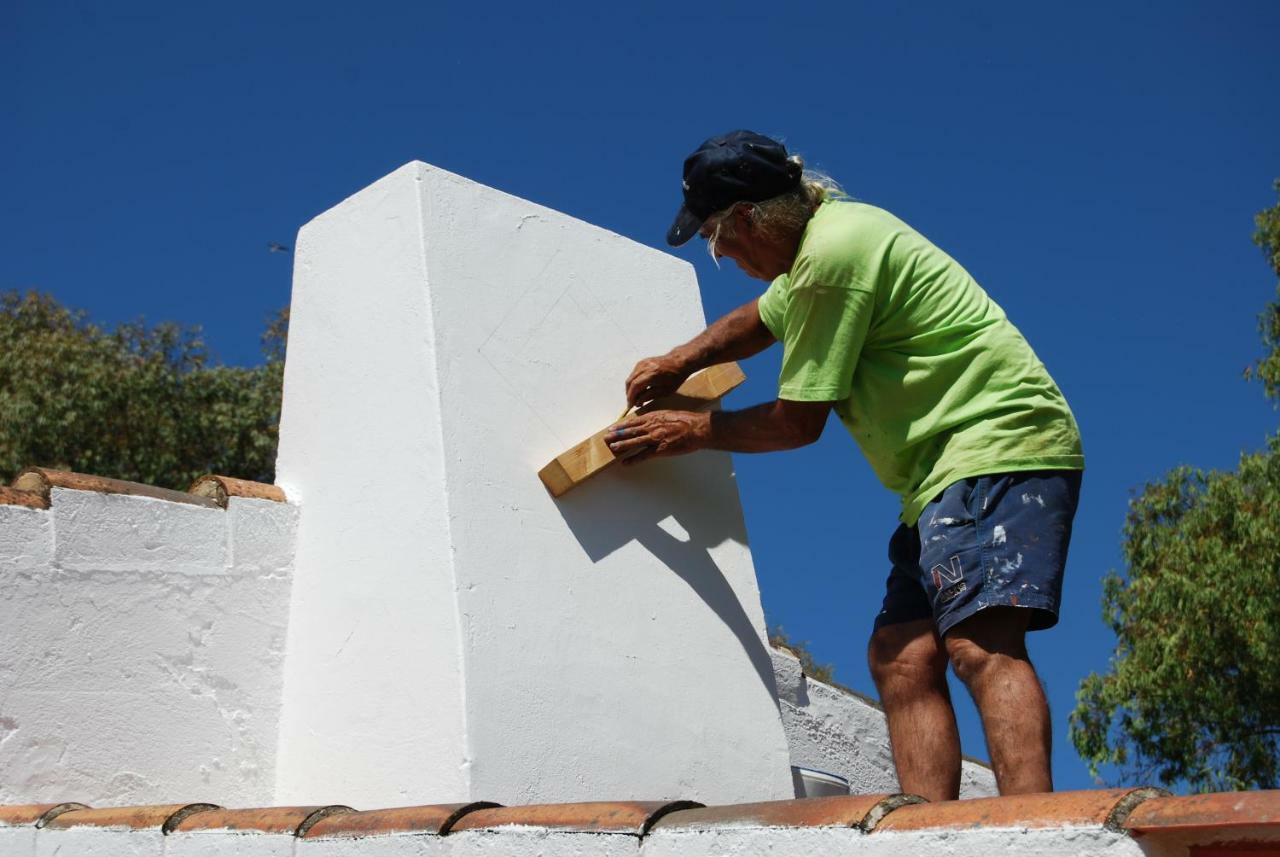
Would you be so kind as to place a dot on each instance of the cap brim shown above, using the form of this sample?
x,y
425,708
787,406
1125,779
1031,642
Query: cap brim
x,y
685,226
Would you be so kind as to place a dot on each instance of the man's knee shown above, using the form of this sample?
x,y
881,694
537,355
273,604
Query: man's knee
x,y
907,651
986,639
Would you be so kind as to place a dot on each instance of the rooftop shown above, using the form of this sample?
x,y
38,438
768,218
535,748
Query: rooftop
x,y
1114,821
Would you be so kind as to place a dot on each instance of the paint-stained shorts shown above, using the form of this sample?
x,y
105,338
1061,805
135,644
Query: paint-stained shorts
x,y
989,541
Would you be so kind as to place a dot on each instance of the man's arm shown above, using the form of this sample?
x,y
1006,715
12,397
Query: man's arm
x,y
766,427
737,335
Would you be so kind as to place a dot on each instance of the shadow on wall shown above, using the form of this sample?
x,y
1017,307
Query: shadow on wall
x,y
678,509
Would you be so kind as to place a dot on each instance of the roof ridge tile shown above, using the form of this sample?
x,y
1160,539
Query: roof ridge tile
x,y
160,816
1100,807
19,497
862,812
1206,812
435,819
34,814
291,820
620,817
42,481
221,488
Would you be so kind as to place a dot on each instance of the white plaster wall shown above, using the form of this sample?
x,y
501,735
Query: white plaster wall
x,y
139,661
373,704
982,842
447,341
830,729
526,842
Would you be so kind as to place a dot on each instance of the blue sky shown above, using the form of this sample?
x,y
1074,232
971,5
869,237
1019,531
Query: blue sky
x,y
1095,165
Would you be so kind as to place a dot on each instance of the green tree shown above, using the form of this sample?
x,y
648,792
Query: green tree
x,y
141,403
1193,692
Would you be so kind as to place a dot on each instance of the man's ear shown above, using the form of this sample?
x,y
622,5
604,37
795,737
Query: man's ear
x,y
745,214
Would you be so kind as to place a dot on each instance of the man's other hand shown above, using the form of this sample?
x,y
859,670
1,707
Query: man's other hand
x,y
657,434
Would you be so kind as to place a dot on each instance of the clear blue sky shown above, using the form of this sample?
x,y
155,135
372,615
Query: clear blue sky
x,y
1096,166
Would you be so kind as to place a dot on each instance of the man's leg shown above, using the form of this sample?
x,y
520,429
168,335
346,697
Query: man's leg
x,y
989,654
909,666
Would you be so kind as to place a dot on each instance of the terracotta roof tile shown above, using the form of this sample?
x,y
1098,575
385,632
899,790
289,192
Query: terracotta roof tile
x,y
294,820
1235,821
14,497
1205,813
221,488
437,819
1107,807
861,811
633,817
38,814
42,480
162,816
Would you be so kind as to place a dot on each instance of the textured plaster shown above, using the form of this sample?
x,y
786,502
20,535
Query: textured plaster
x,y
18,841
785,842
526,842
96,842
830,729
26,539
446,341
393,845
229,844
137,665
117,532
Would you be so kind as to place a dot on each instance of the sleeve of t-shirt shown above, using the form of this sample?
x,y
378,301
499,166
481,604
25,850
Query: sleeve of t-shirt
x,y
823,331
773,304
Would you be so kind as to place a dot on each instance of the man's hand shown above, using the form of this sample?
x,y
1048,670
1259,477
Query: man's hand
x,y
764,428
657,434
655,377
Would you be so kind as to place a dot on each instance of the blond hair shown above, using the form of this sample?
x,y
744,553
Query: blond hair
x,y
779,217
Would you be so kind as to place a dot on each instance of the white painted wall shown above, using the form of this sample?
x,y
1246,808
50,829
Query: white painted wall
x,y
830,729
140,649
446,341
529,842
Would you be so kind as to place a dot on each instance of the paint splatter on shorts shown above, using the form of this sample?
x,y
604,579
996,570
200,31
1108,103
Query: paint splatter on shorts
x,y
988,541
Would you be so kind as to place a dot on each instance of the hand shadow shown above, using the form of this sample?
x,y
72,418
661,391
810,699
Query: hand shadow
x,y
699,493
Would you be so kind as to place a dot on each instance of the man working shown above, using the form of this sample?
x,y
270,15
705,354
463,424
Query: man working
x,y
950,406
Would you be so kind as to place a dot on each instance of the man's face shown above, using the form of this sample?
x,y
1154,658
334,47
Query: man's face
x,y
740,248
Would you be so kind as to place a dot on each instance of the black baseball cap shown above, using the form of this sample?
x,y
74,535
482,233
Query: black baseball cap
x,y
741,166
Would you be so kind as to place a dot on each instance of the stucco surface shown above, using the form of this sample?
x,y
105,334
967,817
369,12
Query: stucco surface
x,y
137,661
447,340
832,730
26,539
518,842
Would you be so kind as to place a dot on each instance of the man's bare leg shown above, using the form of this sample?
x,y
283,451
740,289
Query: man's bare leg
x,y
989,654
909,666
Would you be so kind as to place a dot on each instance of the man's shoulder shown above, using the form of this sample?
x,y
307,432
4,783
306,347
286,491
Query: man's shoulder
x,y
847,241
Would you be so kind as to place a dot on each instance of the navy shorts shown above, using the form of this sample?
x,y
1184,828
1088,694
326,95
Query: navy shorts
x,y
988,541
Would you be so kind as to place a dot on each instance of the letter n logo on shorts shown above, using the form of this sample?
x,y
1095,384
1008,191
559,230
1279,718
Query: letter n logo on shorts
x,y
944,577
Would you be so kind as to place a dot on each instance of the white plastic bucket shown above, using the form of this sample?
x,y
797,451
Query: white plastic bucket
x,y
813,783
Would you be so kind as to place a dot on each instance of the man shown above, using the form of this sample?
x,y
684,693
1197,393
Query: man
x,y
949,404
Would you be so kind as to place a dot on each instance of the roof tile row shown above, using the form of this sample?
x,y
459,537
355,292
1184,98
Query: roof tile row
x,y
33,486
1141,812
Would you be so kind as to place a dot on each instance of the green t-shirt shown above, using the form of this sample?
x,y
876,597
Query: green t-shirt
x,y
929,376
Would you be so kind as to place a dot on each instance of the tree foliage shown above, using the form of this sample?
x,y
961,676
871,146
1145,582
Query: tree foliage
x,y
1267,237
1193,693
146,404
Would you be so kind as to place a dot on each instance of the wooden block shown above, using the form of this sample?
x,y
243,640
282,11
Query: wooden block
x,y
578,464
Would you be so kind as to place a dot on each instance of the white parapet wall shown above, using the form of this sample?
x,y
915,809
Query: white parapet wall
x,y
455,632
141,646
840,732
